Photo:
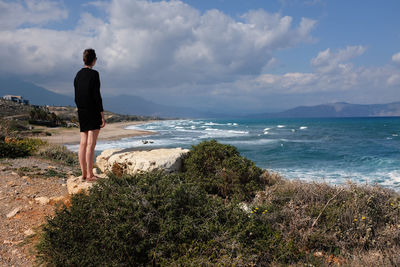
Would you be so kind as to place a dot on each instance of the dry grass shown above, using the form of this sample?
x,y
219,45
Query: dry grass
x,y
358,223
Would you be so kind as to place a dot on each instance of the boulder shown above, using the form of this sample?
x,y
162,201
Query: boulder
x,y
131,161
42,200
77,184
13,212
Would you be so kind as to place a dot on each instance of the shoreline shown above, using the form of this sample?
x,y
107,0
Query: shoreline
x,y
112,131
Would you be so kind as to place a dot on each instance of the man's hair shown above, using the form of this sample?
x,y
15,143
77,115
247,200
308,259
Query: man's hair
x,y
89,55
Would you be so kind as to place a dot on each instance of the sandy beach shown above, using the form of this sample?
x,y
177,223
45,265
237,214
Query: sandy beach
x,y
112,131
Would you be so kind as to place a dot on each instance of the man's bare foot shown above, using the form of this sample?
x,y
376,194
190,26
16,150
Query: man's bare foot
x,y
92,178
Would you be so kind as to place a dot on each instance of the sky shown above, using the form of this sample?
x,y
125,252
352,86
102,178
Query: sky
x,y
231,56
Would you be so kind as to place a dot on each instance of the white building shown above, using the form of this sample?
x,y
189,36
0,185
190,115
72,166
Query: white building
x,y
16,98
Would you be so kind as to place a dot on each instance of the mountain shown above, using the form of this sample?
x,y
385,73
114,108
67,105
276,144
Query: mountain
x,y
123,104
35,94
339,109
136,105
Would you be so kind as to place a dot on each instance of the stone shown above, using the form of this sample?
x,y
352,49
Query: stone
x,y
42,200
29,232
13,212
130,161
77,184
102,159
318,254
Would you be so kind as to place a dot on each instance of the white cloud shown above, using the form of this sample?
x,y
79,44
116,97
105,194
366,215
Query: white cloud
x,y
170,51
15,14
327,61
152,44
396,58
394,79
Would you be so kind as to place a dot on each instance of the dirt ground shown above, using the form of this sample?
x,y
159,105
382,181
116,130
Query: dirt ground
x,y
23,183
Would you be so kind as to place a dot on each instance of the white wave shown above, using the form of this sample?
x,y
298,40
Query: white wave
x,y
281,126
267,129
192,127
235,124
253,142
341,177
299,141
303,127
212,123
395,135
215,133
266,132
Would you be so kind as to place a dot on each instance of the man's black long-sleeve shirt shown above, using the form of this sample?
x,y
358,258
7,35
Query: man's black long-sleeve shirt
x,y
87,90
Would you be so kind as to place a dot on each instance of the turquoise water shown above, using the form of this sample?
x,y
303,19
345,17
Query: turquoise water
x,y
362,150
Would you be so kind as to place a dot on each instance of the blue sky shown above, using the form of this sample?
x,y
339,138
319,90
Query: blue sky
x,y
221,55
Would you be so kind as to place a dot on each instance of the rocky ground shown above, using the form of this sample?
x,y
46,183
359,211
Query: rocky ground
x,y
30,189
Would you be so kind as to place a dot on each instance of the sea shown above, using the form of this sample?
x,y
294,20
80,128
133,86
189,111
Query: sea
x,y
331,150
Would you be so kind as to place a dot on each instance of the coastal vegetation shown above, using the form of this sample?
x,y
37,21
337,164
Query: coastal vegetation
x,y
223,210
24,119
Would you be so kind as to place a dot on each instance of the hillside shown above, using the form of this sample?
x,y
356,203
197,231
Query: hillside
x,y
12,110
339,109
122,104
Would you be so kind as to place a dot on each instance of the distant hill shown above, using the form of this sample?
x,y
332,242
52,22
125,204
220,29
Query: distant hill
x,y
123,104
340,109
35,94
136,105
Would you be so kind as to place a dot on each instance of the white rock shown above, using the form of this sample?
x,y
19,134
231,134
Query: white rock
x,y
56,199
132,162
13,212
102,159
76,184
42,200
29,232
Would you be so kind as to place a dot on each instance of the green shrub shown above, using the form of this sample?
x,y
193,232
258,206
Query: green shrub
x,y
14,148
59,153
157,219
220,170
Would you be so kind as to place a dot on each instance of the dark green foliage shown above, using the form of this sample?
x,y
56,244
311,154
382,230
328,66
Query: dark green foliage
x,y
157,219
9,150
40,116
220,170
17,147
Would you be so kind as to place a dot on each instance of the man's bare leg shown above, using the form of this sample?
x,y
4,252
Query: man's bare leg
x,y
82,154
91,144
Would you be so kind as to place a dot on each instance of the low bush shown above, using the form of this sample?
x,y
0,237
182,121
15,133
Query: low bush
x,y
220,170
17,147
59,153
338,220
158,219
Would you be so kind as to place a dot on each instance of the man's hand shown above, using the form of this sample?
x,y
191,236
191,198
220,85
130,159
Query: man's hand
x,y
103,121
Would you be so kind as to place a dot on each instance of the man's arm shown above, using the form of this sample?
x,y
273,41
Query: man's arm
x,y
96,93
